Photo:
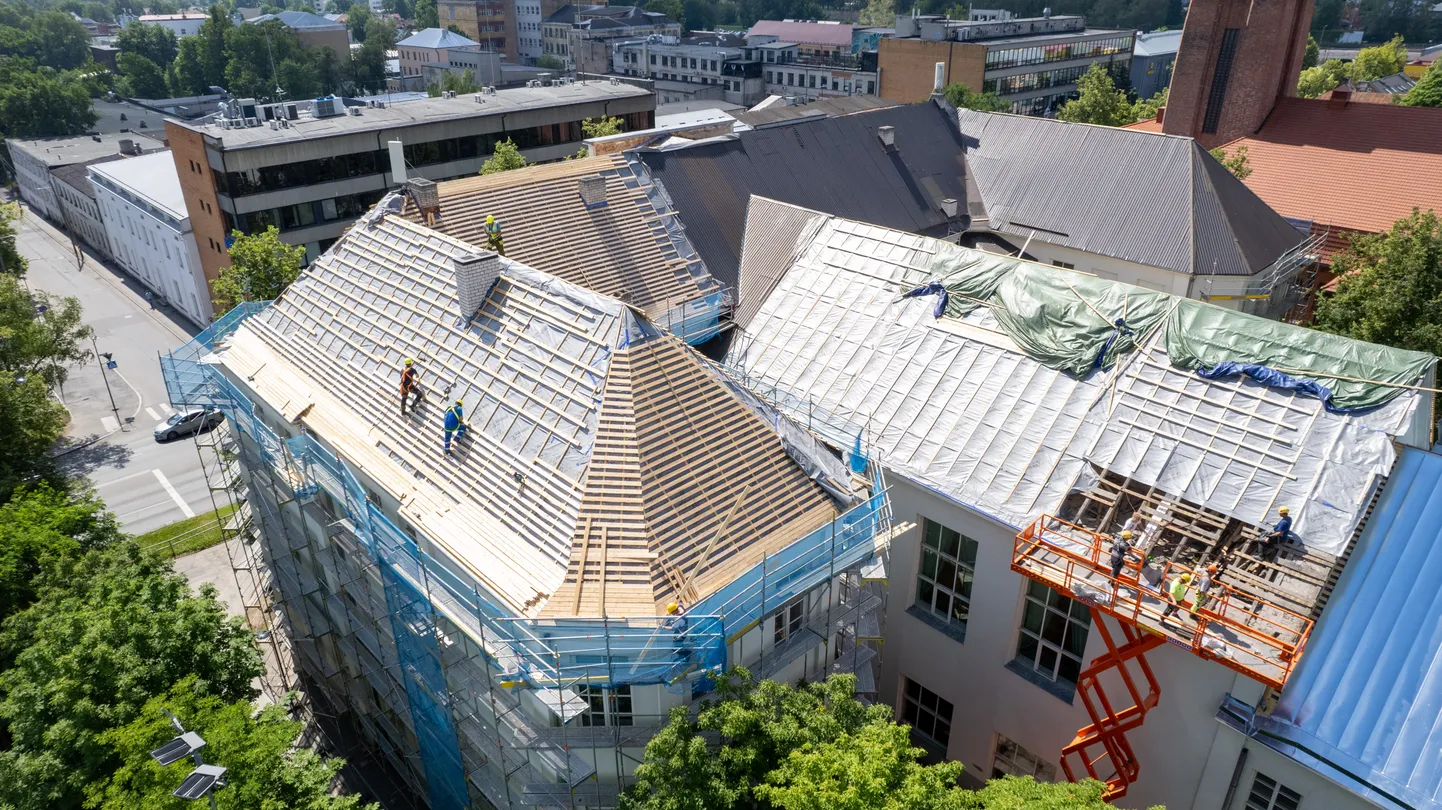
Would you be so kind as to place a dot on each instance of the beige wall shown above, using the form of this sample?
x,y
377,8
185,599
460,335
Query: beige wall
x,y
908,67
338,41
197,180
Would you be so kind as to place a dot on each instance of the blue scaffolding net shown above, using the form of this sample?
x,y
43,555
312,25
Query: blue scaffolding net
x,y
544,654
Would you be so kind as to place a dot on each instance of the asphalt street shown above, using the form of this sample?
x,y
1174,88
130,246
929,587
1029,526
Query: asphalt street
x,y
147,484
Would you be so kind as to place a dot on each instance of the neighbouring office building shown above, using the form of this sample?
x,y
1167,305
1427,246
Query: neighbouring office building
x,y
705,65
34,159
143,207
581,35
491,23
312,175
789,71
431,47
1033,63
80,213
1152,58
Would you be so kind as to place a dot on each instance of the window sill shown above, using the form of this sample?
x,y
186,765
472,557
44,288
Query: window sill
x,y
1061,690
957,634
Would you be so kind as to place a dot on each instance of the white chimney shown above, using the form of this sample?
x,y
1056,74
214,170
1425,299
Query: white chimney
x,y
948,207
475,273
593,190
938,82
887,136
398,162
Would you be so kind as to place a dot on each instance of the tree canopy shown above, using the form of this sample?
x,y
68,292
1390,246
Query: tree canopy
x,y
154,42
504,158
1373,63
1314,81
41,102
30,420
42,527
425,14
261,267
961,97
1390,287
262,772
107,632
35,343
879,12
10,216
1099,102
813,747
1428,90
1235,161
140,77
53,39
1311,53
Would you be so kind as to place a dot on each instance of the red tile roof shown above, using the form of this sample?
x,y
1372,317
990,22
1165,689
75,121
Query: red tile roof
x,y
804,33
1145,125
1355,167
1365,98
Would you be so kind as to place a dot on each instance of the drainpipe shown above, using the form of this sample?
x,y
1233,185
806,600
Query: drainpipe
x,y
1236,779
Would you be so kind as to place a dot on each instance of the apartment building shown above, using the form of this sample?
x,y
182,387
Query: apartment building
x,y
433,46
496,622
489,23
314,175
184,24
789,71
1033,63
1010,646
34,159
581,36
704,65
143,207
814,39
75,195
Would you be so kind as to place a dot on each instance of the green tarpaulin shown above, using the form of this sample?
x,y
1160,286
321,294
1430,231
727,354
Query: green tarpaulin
x,y
1069,321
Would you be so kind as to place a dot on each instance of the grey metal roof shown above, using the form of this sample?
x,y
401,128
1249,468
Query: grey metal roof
x,y
299,19
1157,200
825,108
835,165
437,38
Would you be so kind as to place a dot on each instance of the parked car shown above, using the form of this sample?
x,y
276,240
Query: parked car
x,y
188,422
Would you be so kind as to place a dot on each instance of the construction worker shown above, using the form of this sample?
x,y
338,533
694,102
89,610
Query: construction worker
x,y
409,386
1177,594
493,235
676,623
1121,547
1205,582
1279,534
455,422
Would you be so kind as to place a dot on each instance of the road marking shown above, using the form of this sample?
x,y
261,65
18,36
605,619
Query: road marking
x,y
142,509
153,414
165,408
109,423
174,496
125,478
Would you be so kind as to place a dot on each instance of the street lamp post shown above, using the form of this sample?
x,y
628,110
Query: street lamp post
x,y
107,363
202,781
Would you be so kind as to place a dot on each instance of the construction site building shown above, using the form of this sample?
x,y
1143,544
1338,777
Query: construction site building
x,y
598,222
1025,415
497,622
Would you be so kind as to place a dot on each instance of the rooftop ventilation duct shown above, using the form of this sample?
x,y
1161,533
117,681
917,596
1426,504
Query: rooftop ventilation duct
x,y
887,136
593,190
475,273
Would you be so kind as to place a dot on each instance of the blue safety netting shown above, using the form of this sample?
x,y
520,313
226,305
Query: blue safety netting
x,y
528,653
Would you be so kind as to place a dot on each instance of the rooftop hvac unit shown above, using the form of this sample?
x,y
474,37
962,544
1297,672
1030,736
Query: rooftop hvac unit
x,y
324,107
478,99
352,111
489,90
273,124
252,122
615,82
291,112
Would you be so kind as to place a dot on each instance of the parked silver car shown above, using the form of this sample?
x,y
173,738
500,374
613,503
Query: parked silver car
x,y
188,422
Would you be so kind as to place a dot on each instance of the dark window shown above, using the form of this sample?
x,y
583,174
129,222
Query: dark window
x,y
609,707
927,713
943,584
787,621
1053,635
1218,93
1269,794
303,173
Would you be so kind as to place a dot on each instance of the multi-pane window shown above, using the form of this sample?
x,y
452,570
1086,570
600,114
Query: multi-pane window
x,y
1053,634
927,713
609,707
787,621
1013,760
943,582
1269,794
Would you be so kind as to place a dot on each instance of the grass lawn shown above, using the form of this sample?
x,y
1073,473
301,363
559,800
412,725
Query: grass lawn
x,y
185,536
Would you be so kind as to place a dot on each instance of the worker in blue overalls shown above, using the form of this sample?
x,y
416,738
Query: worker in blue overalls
x,y
455,423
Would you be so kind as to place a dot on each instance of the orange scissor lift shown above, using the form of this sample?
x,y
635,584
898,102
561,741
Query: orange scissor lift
x,y
1236,628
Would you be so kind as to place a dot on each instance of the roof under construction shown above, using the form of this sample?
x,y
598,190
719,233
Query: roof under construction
x,y
621,239
1024,390
608,468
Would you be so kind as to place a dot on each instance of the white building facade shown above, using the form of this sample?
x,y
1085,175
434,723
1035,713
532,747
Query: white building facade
x,y
143,208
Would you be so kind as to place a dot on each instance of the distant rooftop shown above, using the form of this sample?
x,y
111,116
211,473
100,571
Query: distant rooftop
x,y
809,32
418,113
77,175
437,38
152,177
1158,43
80,149
299,20
190,15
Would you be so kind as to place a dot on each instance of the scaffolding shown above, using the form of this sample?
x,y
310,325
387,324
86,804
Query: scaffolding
x,y
474,705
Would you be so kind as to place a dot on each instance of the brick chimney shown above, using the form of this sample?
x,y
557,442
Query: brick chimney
x,y
1340,96
475,274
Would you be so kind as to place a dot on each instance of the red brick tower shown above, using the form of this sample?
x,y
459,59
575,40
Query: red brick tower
x,y
1236,58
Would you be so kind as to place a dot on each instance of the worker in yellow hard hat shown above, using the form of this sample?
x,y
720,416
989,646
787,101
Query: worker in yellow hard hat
x,y
1176,594
672,609
1121,548
409,386
1281,531
493,235
455,423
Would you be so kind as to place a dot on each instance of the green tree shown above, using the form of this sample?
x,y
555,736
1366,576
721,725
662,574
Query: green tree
x,y
36,344
602,127
505,158
186,75
42,104
330,71
961,97
1428,90
338,6
425,14
1328,16
1390,288
139,77
262,770
874,768
382,32
455,29
153,42
368,66
549,62
261,267
212,35
356,18
460,83
1315,81
30,420
1146,109
61,41
106,633
1311,54
673,9
42,527
1378,61
15,264
701,15
879,12
1236,162
1100,102
255,54
297,76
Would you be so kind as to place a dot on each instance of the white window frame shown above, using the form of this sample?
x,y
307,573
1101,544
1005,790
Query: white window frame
x,y
789,620
938,558
1050,653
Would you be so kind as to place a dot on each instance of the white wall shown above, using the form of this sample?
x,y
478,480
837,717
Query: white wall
x,y
528,33
163,258
33,177
989,698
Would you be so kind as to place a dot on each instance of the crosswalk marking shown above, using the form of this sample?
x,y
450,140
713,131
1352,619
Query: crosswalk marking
x,y
153,415
174,496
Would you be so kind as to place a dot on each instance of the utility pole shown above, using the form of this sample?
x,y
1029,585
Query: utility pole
x,y
106,379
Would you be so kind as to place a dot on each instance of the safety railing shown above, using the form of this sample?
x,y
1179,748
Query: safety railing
x,y
1238,630
832,427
